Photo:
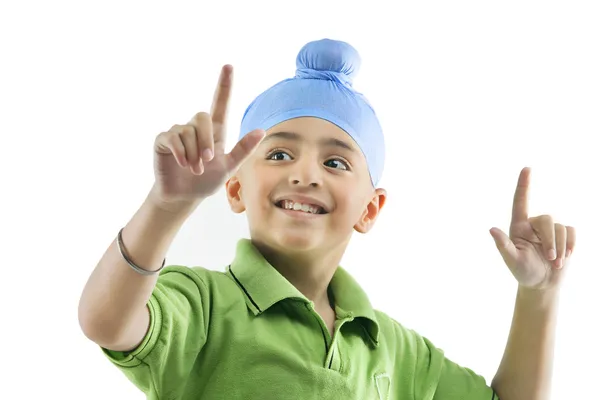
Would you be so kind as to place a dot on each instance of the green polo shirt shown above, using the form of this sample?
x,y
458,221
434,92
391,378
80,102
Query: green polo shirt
x,y
247,333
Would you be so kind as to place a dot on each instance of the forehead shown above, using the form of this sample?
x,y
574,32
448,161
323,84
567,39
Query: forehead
x,y
312,129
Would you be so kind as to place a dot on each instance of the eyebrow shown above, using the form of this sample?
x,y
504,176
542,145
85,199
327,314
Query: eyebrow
x,y
297,137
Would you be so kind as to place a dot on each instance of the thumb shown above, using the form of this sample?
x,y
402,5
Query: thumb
x,y
243,149
505,246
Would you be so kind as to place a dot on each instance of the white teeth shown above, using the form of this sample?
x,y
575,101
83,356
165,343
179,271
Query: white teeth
x,y
292,205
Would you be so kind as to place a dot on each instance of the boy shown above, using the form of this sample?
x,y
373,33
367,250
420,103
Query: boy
x,y
284,321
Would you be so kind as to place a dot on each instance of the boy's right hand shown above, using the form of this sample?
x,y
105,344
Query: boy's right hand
x,y
190,163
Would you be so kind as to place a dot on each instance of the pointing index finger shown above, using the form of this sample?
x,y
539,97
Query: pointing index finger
x,y
221,101
521,198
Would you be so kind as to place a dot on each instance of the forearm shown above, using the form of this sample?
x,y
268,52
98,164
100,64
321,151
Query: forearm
x,y
115,295
525,371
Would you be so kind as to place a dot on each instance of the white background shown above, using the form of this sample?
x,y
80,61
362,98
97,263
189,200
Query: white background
x,y
468,93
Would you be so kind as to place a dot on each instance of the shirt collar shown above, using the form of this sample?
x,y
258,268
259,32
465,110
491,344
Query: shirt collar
x,y
264,286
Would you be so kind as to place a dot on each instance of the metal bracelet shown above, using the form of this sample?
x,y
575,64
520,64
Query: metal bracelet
x,y
131,264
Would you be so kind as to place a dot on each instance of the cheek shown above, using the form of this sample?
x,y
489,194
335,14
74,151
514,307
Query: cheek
x,y
355,207
349,209
257,197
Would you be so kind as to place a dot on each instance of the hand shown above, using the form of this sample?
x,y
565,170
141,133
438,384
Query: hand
x,y
190,163
537,249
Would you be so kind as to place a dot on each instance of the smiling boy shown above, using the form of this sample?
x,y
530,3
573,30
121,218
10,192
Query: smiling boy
x,y
295,192
284,320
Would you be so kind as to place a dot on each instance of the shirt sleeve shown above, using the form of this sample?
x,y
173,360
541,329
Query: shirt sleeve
x,y
438,378
179,309
457,382
446,379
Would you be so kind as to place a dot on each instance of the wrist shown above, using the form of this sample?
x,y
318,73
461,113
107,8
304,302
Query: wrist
x,y
172,209
539,297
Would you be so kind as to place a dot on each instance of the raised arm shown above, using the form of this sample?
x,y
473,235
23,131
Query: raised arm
x,y
189,165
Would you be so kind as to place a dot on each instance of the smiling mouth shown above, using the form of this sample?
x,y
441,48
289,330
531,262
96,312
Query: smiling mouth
x,y
300,207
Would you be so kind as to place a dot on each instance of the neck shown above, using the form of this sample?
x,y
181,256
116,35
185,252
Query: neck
x,y
309,273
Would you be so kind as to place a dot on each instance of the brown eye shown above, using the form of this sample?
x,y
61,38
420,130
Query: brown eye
x,y
337,164
279,156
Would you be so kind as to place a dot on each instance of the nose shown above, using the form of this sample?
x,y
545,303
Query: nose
x,y
306,172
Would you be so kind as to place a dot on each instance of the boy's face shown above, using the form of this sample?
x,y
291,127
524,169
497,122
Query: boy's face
x,y
306,187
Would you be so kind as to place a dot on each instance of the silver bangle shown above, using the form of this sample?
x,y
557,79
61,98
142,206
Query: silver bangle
x,y
131,264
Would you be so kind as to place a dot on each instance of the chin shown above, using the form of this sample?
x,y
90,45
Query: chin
x,y
297,242
292,240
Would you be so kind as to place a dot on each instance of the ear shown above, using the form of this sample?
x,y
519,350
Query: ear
x,y
233,188
369,216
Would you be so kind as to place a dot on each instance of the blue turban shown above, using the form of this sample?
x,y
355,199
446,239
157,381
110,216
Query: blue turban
x,y
322,88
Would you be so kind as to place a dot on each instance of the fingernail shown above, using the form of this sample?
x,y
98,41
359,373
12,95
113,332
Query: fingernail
x,y
552,254
568,253
207,154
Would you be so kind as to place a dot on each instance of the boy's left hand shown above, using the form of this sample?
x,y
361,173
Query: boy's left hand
x,y
537,249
